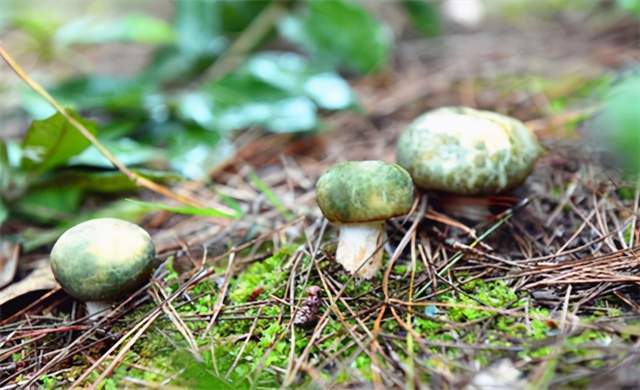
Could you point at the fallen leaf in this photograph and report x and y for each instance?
(40, 279)
(9, 253)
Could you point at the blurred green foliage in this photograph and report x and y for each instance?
(339, 33)
(171, 115)
(424, 15)
(631, 6)
(620, 122)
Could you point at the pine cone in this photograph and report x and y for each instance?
(307, 314)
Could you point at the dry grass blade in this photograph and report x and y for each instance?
(134, 177)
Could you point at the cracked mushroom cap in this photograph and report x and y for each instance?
(103, 259)
(467, 152)
(364, 191)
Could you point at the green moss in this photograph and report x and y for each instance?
(48, 382)
(363, 364)
(494, 294)
(267, 275)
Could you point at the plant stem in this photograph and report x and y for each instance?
(134, 177)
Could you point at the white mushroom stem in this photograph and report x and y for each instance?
(97, 309)
(359, 243)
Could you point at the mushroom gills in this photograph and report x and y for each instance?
(475, 208)
(360, 243)
(97, 309)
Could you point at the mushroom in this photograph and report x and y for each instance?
(102, 260)
(359, 196)
(466, 155)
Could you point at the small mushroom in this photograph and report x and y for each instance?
(102, 260)
(467, 155)
(359, 196)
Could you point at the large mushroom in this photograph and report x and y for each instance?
(359, 196)
(466, 155)
(102, 260)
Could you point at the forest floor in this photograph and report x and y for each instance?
(543, 294)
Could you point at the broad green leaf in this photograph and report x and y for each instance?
(631, 6)
(424, 15)
(50, 204)
(202, 24)
(103, 92)
(295, 74)
(4, 212)
(195, 152)
(102, 181)
(240, 100)
(138, 28)
(329, 91)
(34, 238)
(171, 65)
(50, 143)
(339, 32)
(5, 168)
(238, 15)
(198, 25)
(186, 210)
(40, 26)
(621, 121)
(34, 105)
(13, 182)
(128, 151)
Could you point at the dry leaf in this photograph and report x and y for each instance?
(40, 279)
(9, 253)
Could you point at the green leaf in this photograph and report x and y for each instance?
(198, 26)
(294, 74)
(195, 152)
(34, 238)
(137, 28)
(13, 182)
(5, 168)
(4, 213)
(171, 65)
(186, 210)
(621, 120)
(49, 143)
(128, 151)
(339, 32)
(240, 100)
(631, 6)
(103, 92)
(50, 204)
(424, 15)
(103, 181)
(41, 27)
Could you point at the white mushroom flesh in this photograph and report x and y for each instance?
(97, 309)
(359, 248)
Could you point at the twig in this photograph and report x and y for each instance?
(249, 38)
(134, 177)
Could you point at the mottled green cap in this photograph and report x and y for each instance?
(364, 191)
(466, 151)
(103, 259)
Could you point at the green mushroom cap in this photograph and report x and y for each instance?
(103, 259)
(364, 191)
(467, 152)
